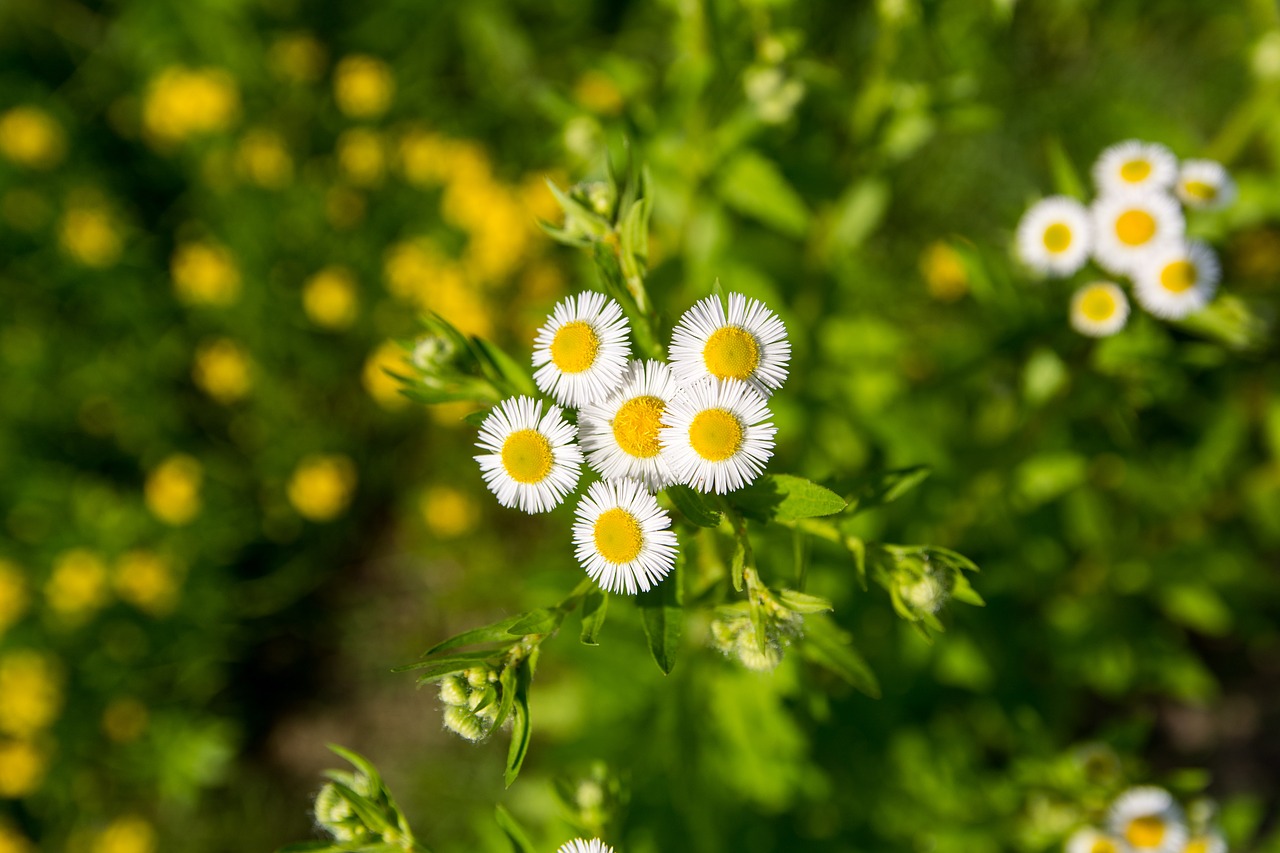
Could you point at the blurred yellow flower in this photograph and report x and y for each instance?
(31, 137)
(22, 769)
(223, 370)
(12, 841)
(89, 235)
(363, 86)
(78, 584)
(596, 91)
(173, 489)
(128, 834)
(361, 156)
(125, 719)
(13, 595)
(321, 486)
(298, 57)
(944, 272)
(423, 157)
(409, 266)
(30, 693)
(385, 389)
(148, 581)
(417, 272)
(204, 274)
(263, 158)
(330, 298)
(448, 512)
(183, 102)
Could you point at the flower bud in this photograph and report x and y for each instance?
(454, 690)
(466, 723)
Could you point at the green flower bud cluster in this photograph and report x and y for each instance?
(357, 810)
(921, 587)
(334, 814)
(757, 642)
(471, 700)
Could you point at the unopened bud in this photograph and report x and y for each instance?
(466, 723)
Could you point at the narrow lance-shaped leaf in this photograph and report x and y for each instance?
(594, 608)
(663, 621)
(521, 725)
(829, 647)
(515, 833)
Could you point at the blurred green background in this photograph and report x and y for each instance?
(221, 525)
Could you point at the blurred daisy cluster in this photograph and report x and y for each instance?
(1135, 229)
(1148, 819)
(702, 420)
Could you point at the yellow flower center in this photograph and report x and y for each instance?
(1200, 190)
(1135, 171)
(574, 347)
(731, 353)
(1057, 237)
(1103, 845)
(1178, 277)
(526, 456)
(1197, 845)
(1135, 227)
(1097, 304)
(1145, 831)
(636, 426)
(715, 434)
(618, 536)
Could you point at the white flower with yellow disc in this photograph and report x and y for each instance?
(1126, 227)
(1177, 280)
(621, 436)
(581, 352)
(532, 461)
(748, 344)
(1090, 840)
(1209, 841)
(1099, 309)
(1205, 185)
(1054, 236)
(1134, 165)
(717, 435)
(582, 845)
(1149, 820)
(624, 539)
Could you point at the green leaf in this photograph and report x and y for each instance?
(857, 215)
(1065, 178)
(507, 369)
(754, 186)
(802, 602)
(594, 608)
(462, 659)
(858, 548)
(663, 622)
(515, 833)
(495, 633)
(358, 761)
(878, 488)
(521, 726)
(476, 419)
(693, 507)
(507, 681)
(738, 565)
(368, 812)
(544, 620)
(963, 591)
(783, 497)
(828, 646)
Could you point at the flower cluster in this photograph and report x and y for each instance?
(701, 421)
(1149, 820)
(1136, 228)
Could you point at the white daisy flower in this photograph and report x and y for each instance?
(1134, 165)
(581, 351)
(532, 461)
(621, 435)
(1090, 840)
(1205, 185)
(748, 344)
(1210, 841)
(1148, 819)
(717, 435)
(582, 845)
(1126, 227)
(1054, 236)
(624, 539)
(1099, 309)
(1177, 279)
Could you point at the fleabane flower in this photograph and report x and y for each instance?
(1134, 165)
(624, 539)
(717, 435)
(1177, 279)
(1090, 840)
(1204, 185)
(1149, 820)
(1126, 227)
(1099, 309)
(621, 434)
(532, 461)
(582, 845)
(1210, 841)
(748, 344)
(581, 351)
(1054, 236)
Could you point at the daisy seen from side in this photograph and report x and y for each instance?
(1210, 841)
(582, 845)
(1054, 236)
(622, 435)
(717, 435)
(1205, 185)
(1149, 820)
(581, 352)
(531, 461)
(1090, 840)
(748, 344)
(1127, 226)
(623, 538)
(1099, 309)
(1135, 165)
(1177, 280)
